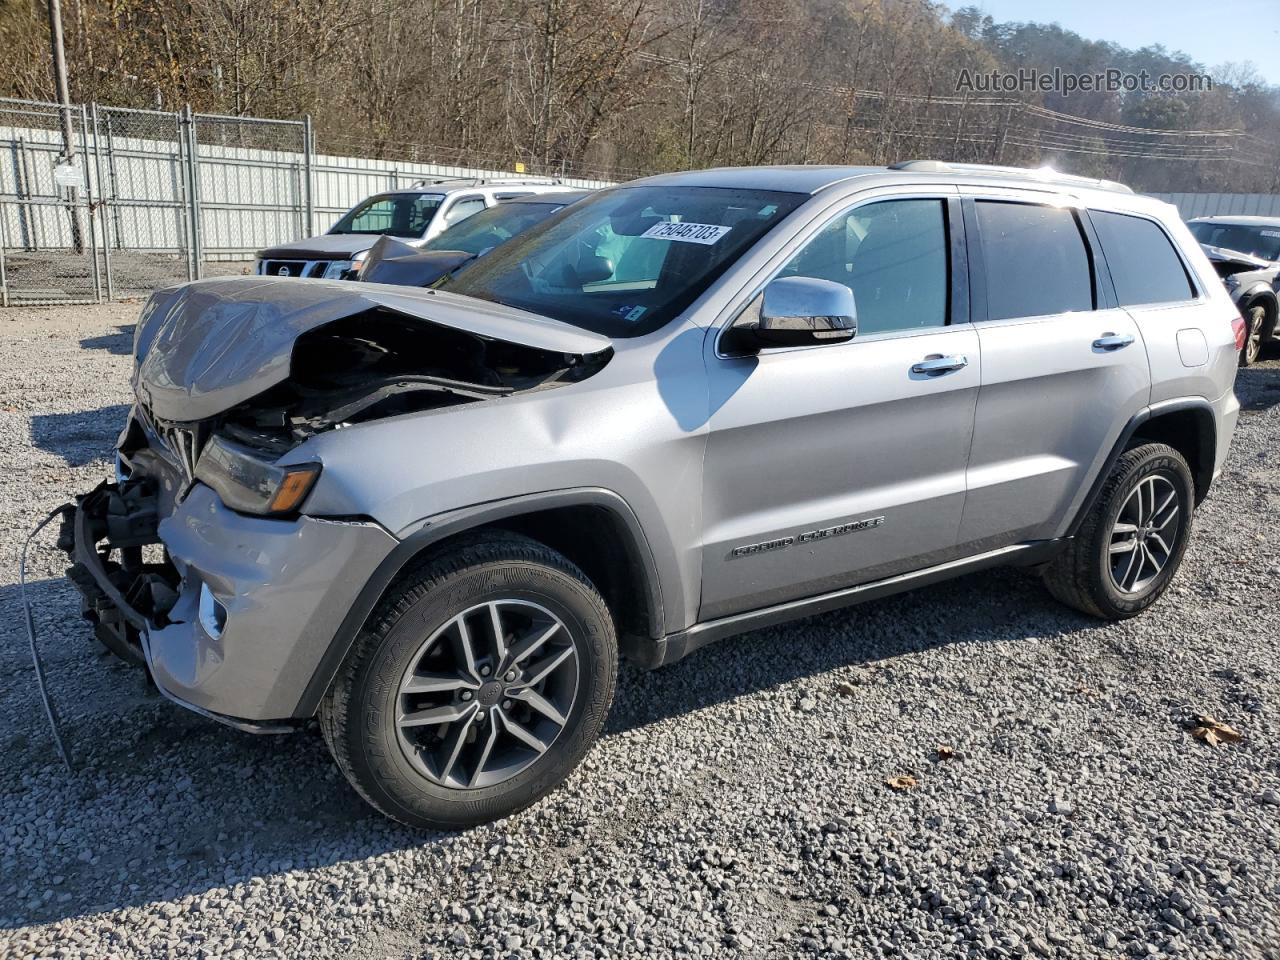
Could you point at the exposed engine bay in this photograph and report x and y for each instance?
(381, 364)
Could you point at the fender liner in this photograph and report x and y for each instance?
(1204, 475)
(434, 529)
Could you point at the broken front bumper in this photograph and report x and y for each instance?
(234, 621)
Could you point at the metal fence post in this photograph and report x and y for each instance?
(181, 185)
(88, 206)
(29, 191)
(115, 183)
(91, 213)
(193, 193)
(308, 147)
(4, 274)
(102, 202)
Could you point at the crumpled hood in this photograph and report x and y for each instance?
(1223, 255)
(329, 246)
(204, 347)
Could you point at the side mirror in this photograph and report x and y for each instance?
(799, 312)
(590, 269)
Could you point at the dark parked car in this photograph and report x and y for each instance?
(1245, 251)
(393, 261)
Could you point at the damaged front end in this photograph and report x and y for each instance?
(380, 364)
(199, 561)
(118, 596)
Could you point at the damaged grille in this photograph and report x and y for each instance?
(183, 442)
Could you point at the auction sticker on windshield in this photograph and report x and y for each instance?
(687, 232)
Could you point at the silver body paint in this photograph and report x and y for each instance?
(871, 471)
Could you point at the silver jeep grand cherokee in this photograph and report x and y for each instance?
(680, 409)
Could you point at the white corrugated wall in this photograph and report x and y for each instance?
(249, 198)
(1220, 204)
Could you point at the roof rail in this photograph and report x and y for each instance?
(1044, 174)
(487, 181)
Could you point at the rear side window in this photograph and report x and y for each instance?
(1144, 266)
(1036, 260)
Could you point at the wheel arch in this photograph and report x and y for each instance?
(1187, 424)
(594, 528)
(1262, 293)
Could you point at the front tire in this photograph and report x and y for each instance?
(1133, 538)
(1255, 317)
(477, 686)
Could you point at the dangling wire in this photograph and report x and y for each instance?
(31, 637)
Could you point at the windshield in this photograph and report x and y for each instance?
(623, 262)
(396, 214)
(492, 227)
(1261, 241)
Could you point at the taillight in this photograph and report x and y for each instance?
(1238, 327)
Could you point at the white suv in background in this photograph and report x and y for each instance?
(413, 215)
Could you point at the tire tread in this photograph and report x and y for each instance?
(421, 578)
(1069, 578)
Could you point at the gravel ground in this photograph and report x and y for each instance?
(737, 803)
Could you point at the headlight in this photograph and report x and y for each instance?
(345, 269)
(246, 482)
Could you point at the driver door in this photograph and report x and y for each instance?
(833, 465)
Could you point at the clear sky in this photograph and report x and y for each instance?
(1210, 32)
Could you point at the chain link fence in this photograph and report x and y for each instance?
(115, 202)
(140, 159)
(48, 219)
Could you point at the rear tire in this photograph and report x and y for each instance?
(466, 635)
(1133, 538)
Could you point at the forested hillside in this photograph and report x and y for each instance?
(620, 87)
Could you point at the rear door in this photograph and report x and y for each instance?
(832, 465)
(1189, 340)
(1063, 367)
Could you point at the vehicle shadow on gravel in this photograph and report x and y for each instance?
(985, 607)
(120, 344)
(78, 437)
(1258, 387)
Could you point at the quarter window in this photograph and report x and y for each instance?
(892, 255)
(1144, 266)
(1036, 260)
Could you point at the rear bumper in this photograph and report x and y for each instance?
(1226, 410)
(248, 605)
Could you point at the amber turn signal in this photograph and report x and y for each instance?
(293, 489)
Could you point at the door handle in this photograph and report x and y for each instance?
(1113, 341)
(935, 365)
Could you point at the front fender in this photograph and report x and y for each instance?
(432, 530)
